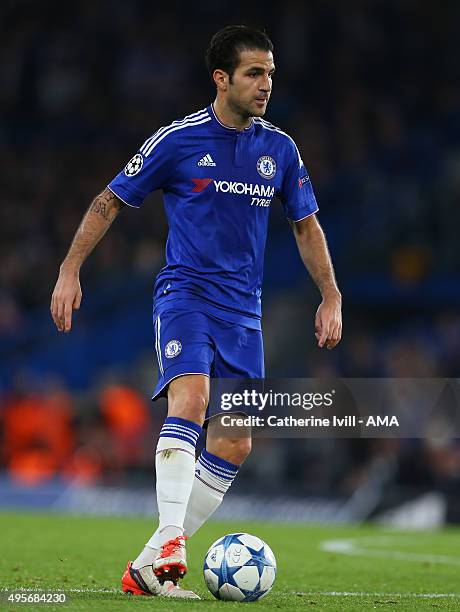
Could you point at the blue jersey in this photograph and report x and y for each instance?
(218, 185)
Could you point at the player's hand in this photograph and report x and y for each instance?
(65, 299)
(328, 321)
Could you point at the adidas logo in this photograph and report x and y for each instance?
(207, 160)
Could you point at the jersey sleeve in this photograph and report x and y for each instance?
(149, 170)
(297, 194)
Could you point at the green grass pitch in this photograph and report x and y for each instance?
(381, 570)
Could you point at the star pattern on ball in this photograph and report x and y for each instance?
(237, 561)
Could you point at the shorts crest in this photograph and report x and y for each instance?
(172, 349)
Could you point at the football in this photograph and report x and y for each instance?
(239, 567)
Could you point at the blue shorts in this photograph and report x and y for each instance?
(195, 342)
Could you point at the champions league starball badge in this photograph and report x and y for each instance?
(266, 167)
(134, 165)
(172, 349)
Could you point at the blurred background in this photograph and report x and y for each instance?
(370, 91)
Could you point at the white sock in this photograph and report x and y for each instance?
(213, 477)
(146, 557)
(175, 466)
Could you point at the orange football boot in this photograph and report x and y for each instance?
(171, 561)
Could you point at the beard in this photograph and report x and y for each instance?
(245, 110)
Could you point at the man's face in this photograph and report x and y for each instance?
(250, 88)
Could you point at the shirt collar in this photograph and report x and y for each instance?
(222, 127)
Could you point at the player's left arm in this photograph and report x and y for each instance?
(312, 246)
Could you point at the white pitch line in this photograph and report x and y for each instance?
(303, 593)
(94, 591)
(354, 547)
(371, 594)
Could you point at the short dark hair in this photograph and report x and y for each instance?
(226, 45)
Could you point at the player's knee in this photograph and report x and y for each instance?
(238, 449)
(189, 405)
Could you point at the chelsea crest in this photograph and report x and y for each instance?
(172, 349)
(266, 167)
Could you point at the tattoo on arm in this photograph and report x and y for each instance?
(97, 220)
(107, 205)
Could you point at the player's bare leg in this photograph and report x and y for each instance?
(233, 447)
(175, 467)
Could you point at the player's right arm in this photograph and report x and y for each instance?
(67, 292)
(147, 171)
